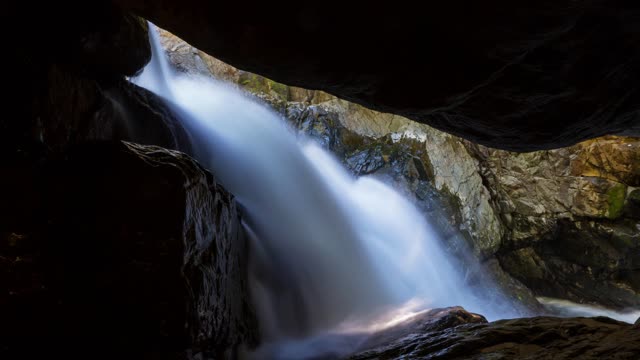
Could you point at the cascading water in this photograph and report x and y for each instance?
(328, 250)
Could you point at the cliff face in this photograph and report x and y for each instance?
(569, 217)
(563, 222)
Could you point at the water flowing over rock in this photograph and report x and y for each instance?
(346, 250)
(121, 249)
(563, 222)
(112, 249)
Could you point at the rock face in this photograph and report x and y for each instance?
(458, 66)
(68, 80)
(121, 249)
(570, 227)
(461, 335)
(562, 222)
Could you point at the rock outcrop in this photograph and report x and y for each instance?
(563, 222)
(569, 228)
(456, 334)
(123, 250)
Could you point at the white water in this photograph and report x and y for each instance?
(567, 308)
(330, 253)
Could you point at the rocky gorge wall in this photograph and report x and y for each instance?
(564, 223)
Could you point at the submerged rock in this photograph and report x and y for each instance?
(122, 249)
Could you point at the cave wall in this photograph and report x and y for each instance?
(563, 222)
(520, 76)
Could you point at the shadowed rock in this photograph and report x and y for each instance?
(520, 75)
(121, 249)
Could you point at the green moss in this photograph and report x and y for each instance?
(280, 89)
(257, 84)
(615, 199)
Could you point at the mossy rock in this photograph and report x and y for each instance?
(257, 84)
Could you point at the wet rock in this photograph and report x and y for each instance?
(430, 321)
(527, 338)
(319, 125)
(122, 250)
(366, 161)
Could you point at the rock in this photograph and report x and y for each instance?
(632, 209)
(76, 110)
(67, 74)
(467, 82)
(119, 248)
(366, 161)
(426, 322)
(100, 39)
(527, 338)
(72, 109)
(584, 262)
(319, 125)
(120, 45)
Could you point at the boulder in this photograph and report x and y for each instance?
(123, 250)
(526, 338)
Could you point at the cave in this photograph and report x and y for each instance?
(201, 180)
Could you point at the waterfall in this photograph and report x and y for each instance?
(328, 251)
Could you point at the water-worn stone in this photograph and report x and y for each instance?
(527, 338)
(123, 250)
